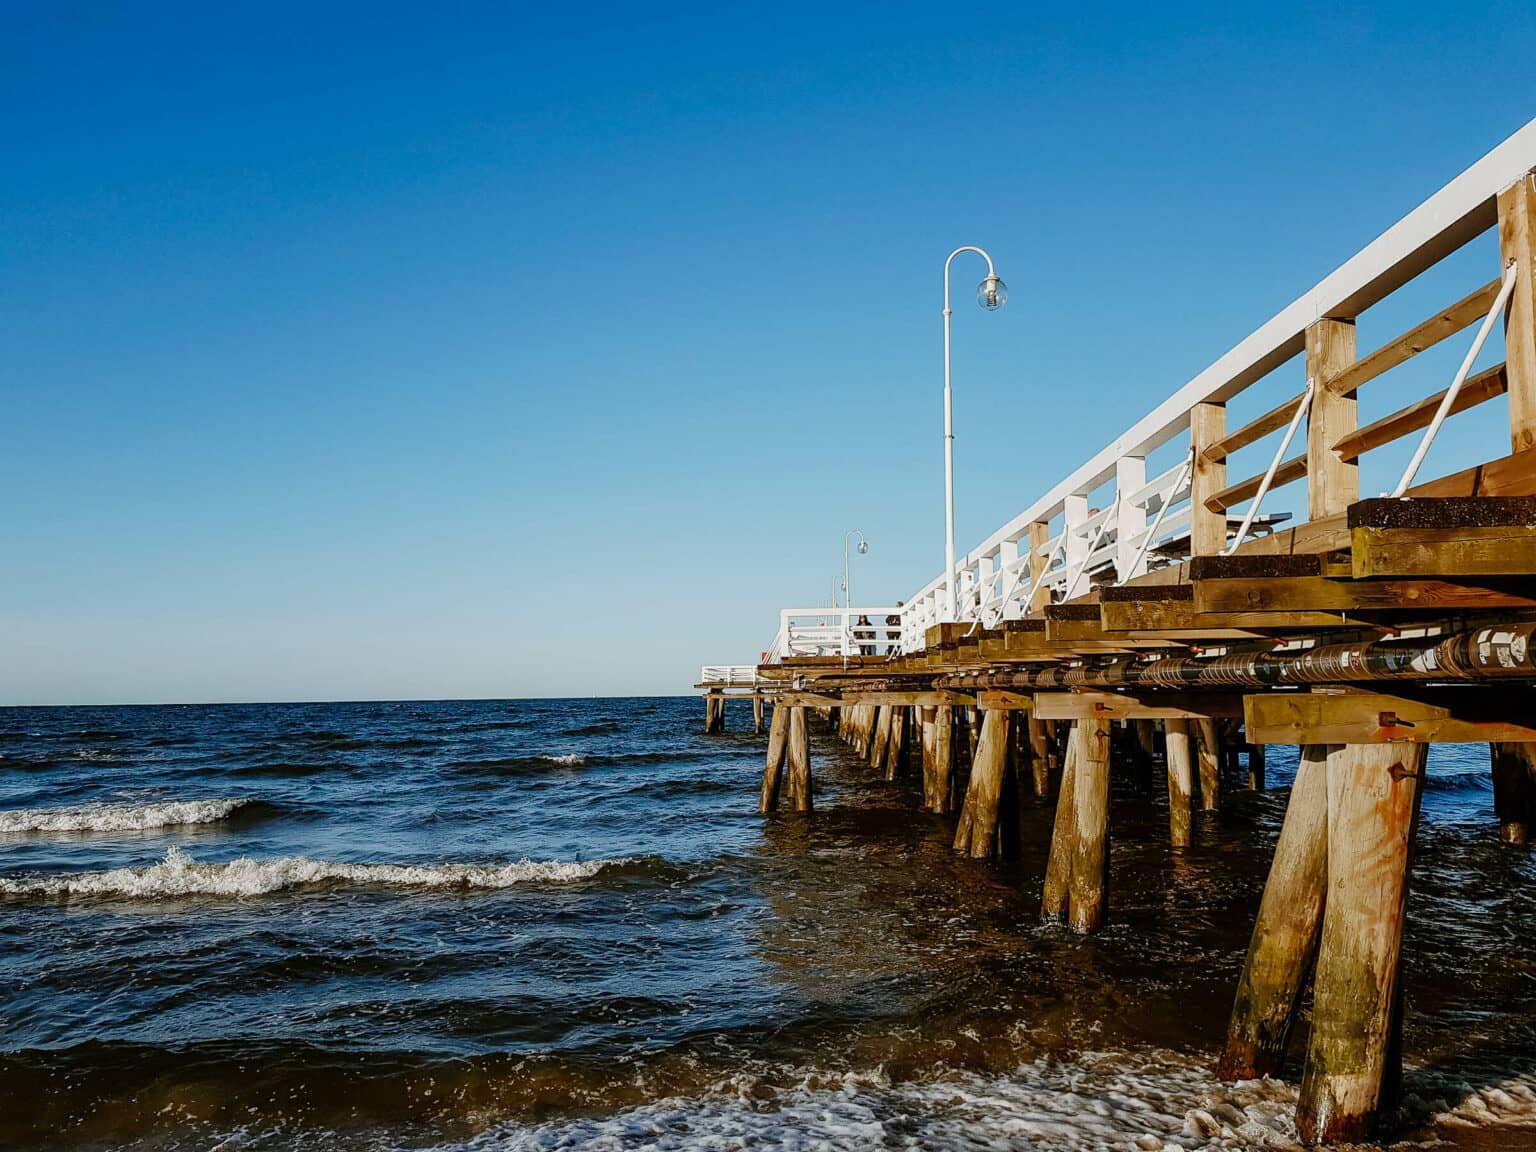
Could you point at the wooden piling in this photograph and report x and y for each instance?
(1179, 754)
(895, 742)
(799, 755)
(778, 742)
(714, 713)
(1514, 790)
(882, 736)
(976, 835)
(1089, 886)
(757, 714)
(1285, 935)
(1255, 767)
(1208, 743)
(1373, 792)
(1055, 899)
(938, 761)
(1042, 754)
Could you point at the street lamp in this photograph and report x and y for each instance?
(991, 294)
(863, 548)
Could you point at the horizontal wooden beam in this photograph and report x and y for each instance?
(996, 699)
(1321, 594)
(1254, 430)
(1484, 714)
(1086, 705)
(1483, 386)
(1462, 314)
(931, 698)
(1443, 552)
(1293, 469)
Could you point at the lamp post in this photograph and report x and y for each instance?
(992, 294)
(863, 548)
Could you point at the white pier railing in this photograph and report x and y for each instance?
(730, 675)
(836, 632)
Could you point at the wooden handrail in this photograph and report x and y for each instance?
(1293, 469)
(1277, 417)
(1462, 314)
(1483, 386)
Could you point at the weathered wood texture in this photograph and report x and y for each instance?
(1208, 746)
(1517, 245)
(799, 756)
(1055, 898)
(1332, 482)
(1090, 809)
(1208, 529)
(1395, 425)
(1514, 790)
(1286, 932)
(1373, 793)
(976, 834)
(1462, 314)
(1179, 754)
(778, 743)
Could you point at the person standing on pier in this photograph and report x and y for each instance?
(864, 635)
(893, 630)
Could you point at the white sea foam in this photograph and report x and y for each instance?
(567, 759)
(1158, 1102)
(180, 875)
(118, 817)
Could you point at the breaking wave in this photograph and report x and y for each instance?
(180, 875)
(119, 817)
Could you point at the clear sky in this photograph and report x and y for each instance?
(377, 350)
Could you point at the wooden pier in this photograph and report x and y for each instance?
(1127, 624)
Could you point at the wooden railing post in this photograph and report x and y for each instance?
(1131, 521)
(1039, 535)
(1207, 529)
(1517, 243)
(1332, 485)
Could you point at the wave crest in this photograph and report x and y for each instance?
(180, 875)
(118, 817)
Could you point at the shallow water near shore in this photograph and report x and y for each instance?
(562, 924)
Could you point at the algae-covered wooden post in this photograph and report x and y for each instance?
(1373, 792)
(976, 834)
(1208, 746)
(1090, 804)
(1514, 790)
(938, 762)
(1285, 934)
(778, 744)
(1179, 754)
(799, 755)
(1055, 898)
(1517, 246)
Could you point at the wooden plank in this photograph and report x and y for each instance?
(1333, 484)
(1443, 552)
(1486, 713)
(1207, 527)
(1253, 431)
(1517, 245)
(1086, 704)
(996, 699)
(1474, 391)
(1462, 314)
(928, 698)
(1218, 502)
(1320, 594)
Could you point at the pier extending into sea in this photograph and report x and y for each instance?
(1133, 623)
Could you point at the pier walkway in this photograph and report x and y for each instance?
(1152, 612)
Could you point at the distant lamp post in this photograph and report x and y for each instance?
(992, 294)
(863, 548)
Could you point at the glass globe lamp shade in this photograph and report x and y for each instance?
(992, 294)
(863, 548)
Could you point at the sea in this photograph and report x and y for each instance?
(562, 924)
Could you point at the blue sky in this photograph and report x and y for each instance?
(503, 350)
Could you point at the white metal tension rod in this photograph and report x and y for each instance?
(1450, 394)
(1269, 476)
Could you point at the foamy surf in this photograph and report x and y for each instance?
(180, 875)
(118, 817)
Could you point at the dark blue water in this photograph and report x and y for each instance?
(535, 924)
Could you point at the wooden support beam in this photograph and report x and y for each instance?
(799, 756)
(1255, 430)
(1514, 790)
(998, 700)
(1286, 932)
(1232, 495)
(778, 743)
(1478, 714)
(1462, 314)
(882, 735)
(1042, 756)
(1208, 752)
(1517, 245)
(757, 713)
(1323, 594)
(925, 698)
(714, 713)
(1333, 484)
(1373, 795)
(1055, 899)
(1090, 807)
(1405, 421)
(1207, 529)
(896, 742)
(1179, 754)
(976, 834)
(1445, 537)
(1086, 704)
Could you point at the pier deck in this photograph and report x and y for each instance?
(1123, 622)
